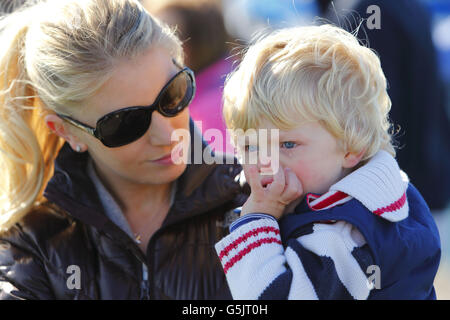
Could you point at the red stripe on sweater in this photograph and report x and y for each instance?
(339, 195)
(244, 237)
(393, 206)
(247, 250)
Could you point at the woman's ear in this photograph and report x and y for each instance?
(351, 159)
(57, 126)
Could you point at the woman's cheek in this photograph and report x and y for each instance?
(182, 120)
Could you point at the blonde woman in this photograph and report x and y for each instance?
(93, 205)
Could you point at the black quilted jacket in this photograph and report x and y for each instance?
(69, 236)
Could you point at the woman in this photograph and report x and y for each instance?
(110, 215)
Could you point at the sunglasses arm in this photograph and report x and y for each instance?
(78, 124)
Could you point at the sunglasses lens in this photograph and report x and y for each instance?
(124, 127)
(177, 95)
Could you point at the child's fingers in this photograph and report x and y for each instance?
(252, 176)
(293, 188)
(279, 181)
(266, 166)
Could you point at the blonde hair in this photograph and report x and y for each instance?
(55, 54)
(314, 73)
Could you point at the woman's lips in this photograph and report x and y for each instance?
(170, 158)
(164, 160)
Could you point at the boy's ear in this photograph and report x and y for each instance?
(351, 159)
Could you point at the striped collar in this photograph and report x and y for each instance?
(379, 185)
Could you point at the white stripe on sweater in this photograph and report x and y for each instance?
(301, 287)
(335, 241)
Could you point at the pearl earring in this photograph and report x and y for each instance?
(78, 148)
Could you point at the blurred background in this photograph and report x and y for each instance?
(412, 39)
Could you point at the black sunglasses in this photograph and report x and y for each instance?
(126, 125)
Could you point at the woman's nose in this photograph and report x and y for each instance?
(160, 131)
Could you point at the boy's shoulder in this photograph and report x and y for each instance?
(409, 209)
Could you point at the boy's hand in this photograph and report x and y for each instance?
(268, 195)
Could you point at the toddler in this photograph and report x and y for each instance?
(338, 219)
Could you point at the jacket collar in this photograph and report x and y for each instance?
(379, 185)
(200, 188)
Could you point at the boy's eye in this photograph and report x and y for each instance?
(288, 144)
(251, 148)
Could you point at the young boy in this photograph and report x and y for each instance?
(339, 219)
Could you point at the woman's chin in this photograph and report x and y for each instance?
(164, 174)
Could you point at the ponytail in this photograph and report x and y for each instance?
(27, 146)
